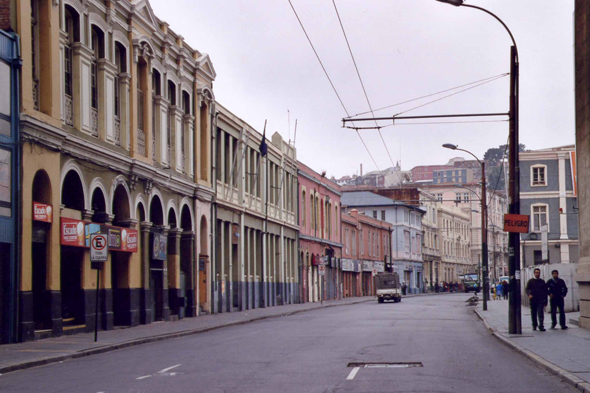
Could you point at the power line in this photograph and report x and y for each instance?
(333, 87)
(361, 79)
(430, 95)
(428, 123)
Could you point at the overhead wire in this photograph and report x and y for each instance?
(361, 80)
(432, 94)
(332, 84)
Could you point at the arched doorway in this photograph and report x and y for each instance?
(203, 261)
(158, 276)
(40, 249)
(73, 300)
(123, 299)
(187, 264)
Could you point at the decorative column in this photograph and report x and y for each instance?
(187, 265)
(145, 308)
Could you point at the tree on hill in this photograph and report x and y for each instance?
(496, 159)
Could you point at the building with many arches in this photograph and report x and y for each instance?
(116, 115)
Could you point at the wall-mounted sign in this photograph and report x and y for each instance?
(72, 233)
(347, 265)
(159, 246)
(202, 263)
(367, 266)
(517, 223)
(322, 270)
(379, 267)
(42, 212)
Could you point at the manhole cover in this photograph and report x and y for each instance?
(385, 364)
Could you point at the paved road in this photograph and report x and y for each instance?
(310, 352)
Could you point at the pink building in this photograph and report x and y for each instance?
(319, 236)
(366, 250)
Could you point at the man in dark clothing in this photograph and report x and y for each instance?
(505, 289)
(557, 292)
(536, 289)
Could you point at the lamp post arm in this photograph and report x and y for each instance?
(468, 152)
(499, 20)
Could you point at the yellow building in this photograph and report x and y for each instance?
(116, 114)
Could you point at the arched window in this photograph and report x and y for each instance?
(72, 29)
(303, 205)
(172, 101)
(156, 92)
(97, 46)
(121, 64)
(186, 108)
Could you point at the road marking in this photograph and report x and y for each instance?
(144, 377)
(167, 369)
(353, 373)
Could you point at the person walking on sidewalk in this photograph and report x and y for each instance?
(505, 289)
(536, 289)
(499, 291)
(557, 292)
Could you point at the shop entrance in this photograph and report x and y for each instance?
(121, 294)
(72, 300)
(41, 317)
(203, 261)
(157, 292)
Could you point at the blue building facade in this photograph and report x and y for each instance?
(9, 183)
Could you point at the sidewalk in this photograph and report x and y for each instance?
(565, 353)
(36, 353)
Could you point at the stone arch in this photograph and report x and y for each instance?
(139, 200)
(186, 220)
(121, 203)
(75, 198)
(42, 187)
(172, 220)
(98, 182)
(156, 210)
(204, 236)
(140, 211)
(99, 204)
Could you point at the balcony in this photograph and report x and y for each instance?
(69, 110)
(117, 131)
(94, 122)
(140, 123)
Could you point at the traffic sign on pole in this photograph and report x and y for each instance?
(99, 248)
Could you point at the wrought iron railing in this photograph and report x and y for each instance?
(117, 131)
(140, 124)
(69, 110)
(94, 121)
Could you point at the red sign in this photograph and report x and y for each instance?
(77, 233)
(72, 233)
(517, 223)
(42, 212)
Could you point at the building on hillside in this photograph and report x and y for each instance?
(367, 247)
(116, 114)
(256, 229)
(453, 175)
(467, 198)
(548, 194)
(425, 173)
(319, 236)
(455, 243)
(474, 165)
(407, 232)
(10, 175)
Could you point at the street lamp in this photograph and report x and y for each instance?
(514, 313)
(484, 225)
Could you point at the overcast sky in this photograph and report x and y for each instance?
(404, 49)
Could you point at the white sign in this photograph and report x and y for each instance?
(517, 274)
(99, 248)
(322, 270)
(374, 272)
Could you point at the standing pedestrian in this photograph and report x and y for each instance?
(536, 289)
(499, 290)
(505, 289)
(404, 288)
(557, 292)
(436, 287)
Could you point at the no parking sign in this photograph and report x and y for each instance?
(99, 248)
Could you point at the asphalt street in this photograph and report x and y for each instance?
(431, 344)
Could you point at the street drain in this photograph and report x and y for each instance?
(385, 364)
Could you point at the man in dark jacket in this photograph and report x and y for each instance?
(557, 292)
(505, 289)
(536, 289)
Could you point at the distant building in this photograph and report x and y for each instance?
(474, 165)
(453, 175)
(407, 232)
(424, 173)
(455, 243)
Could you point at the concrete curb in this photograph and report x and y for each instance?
(156, 338)
(569, 378)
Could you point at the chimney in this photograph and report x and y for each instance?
(354, 212)
(361, 169)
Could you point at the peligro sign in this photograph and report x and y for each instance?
(517, 223)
